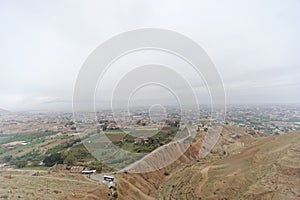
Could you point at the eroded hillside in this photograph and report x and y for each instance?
(238, 167)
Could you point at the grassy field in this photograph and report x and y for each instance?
(114, 147)
(35, 141)
(40, 146)
(7, 138)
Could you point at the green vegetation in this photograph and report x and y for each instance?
(97, 165)
(34, 157)
(55, 149)
(163, 137)
(115, 194)
(114, 131)
(69, 159)
(20, 163)
(6, 159)
(80, 153)
(33, 153)
(38, 141)
(77, 153)
(70, 151)
(53, 159)
(7, 138)
(74, 155)
(66, 145)
(36, 168)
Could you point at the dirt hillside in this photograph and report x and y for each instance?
(238, 167)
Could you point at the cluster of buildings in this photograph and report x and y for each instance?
(275, 119)
(265, 120)
(23, 122)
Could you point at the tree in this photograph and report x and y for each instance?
(53, 159)
(20, 163)
(6, 159)
(97, 165)
(70, 159)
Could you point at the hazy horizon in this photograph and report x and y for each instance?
(254, 45)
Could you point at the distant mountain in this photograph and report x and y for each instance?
(3, 111)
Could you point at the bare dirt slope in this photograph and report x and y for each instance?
(25, 185)
(239, 167)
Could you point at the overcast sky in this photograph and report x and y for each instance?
(254, 44)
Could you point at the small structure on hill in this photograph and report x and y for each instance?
(87, 171)
(108, 178)
(76, 169)
(109, 181)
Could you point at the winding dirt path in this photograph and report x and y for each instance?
(204, 179)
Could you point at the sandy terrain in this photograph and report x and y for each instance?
(238, 168)
(41, 185)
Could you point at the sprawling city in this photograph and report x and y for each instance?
(50, 145)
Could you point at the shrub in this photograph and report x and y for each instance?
(20, 163)
(115, 194)
(70, 159)
(7, 158)
(53, 159)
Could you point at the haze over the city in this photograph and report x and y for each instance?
(254, 44)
